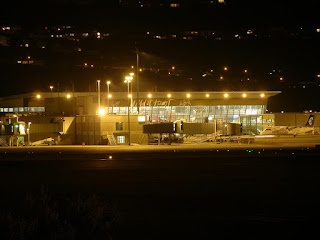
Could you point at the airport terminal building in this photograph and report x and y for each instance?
(78, 115)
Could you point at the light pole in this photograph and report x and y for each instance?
(98, 82)
(131, 75)
(29, 128)
(108, 84)
(137, 78)
(128, 80)
(51, 87)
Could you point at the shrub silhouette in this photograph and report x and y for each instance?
(43, 216)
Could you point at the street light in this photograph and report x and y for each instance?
(109, 96)
(38, 96)
(128, 80)
(29, 128)
(98, 82)
(102, 112)
(51, 87)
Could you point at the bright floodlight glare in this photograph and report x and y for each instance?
(131, 74)
(68, 96)
(262, 95)
(188, 95)
(102, 112)
(207, 95)
(129, 96)
(226, 95)
(51, 87)
(244, 95)
(169, 95)
(128, 79)
(149, 95)
(109, 96)
(38, 96)
(108, 82)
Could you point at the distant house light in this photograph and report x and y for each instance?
(174, 5)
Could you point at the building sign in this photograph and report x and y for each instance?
(156, 103)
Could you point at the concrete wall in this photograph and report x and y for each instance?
(199, 128)
(295, 119)
(98, 130)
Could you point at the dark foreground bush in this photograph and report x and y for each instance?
(43, 216)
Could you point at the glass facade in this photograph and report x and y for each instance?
(228, 113)
(21, 109)
(255, 124)
(222, 114)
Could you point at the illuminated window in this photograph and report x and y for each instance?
(119, 126)
(141, 119)
(121, 139)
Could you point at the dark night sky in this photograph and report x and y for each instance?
(298, 59)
